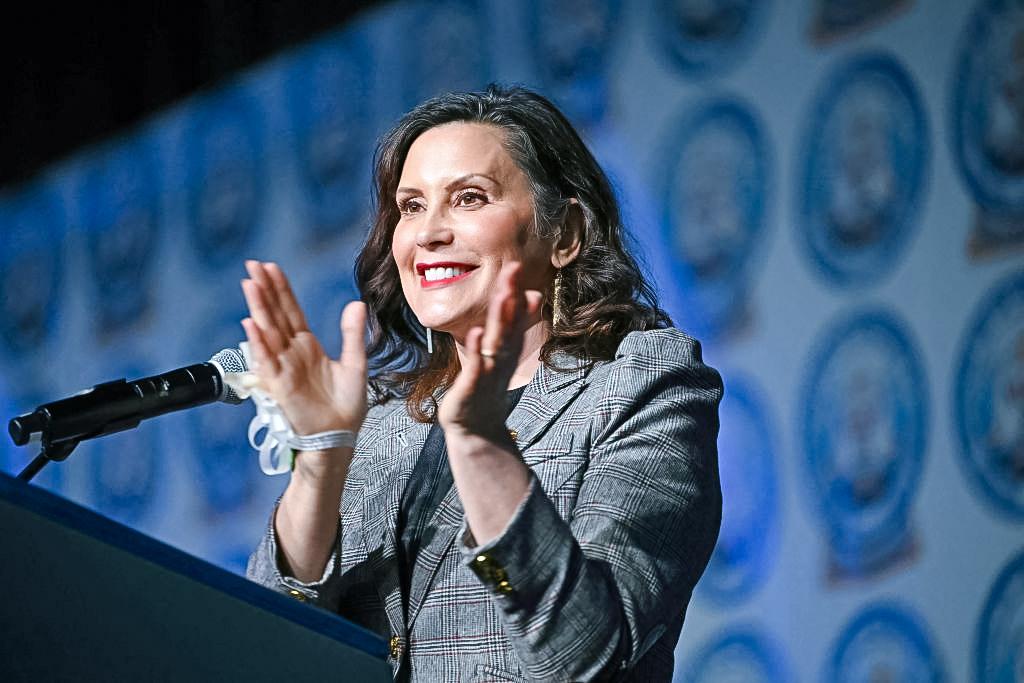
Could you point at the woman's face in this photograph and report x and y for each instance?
(466, 211)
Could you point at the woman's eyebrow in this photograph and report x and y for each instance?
(462, 180)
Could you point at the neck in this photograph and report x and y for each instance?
(529, 357)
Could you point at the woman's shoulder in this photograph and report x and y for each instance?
(667, 343)
(654, 356)
(383, 400)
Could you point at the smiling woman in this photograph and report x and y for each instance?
(537, 497)
(465, 205)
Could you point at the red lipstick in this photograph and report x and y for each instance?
(422, 268)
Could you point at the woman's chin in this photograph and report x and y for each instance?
(448, 321)
(458, 332)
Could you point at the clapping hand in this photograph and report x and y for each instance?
(476, 402)
(316, 393)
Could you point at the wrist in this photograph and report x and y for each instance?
(322, 441)
(463, 442)
(324, 423)
(322, 469)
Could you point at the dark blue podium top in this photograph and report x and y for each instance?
(86, 598)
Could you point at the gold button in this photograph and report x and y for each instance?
(490, 572)
(483, 567)
(396, 647)
(298, 595)
(514, 434)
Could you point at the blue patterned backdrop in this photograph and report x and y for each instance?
(829, 193)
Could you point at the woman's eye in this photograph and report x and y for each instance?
(409, 206)
(469, 199)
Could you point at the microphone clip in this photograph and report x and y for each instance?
(33, 427)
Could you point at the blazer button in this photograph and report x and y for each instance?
(298, 595)
(483, 566)
(395, 647)
(501, 582)
(490, 572)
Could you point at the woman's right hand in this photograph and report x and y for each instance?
(315, 393)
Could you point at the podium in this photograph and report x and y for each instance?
(83, 598)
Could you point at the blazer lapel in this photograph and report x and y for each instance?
(547, 394)
(444, 526)
(393, 461)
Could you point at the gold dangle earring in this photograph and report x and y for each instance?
(556, 299)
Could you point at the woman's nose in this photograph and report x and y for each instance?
(434, 230)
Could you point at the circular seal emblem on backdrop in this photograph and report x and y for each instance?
(746, 461)
(572, 42)
(447, 48)
(834, 19)
(884, 642)
(125, 469)
(738, 655)
(987, 120)
(120, 200)
(863, 428)
(31, 263)
(226, 183)
(989, 398)
(707, 37)
(328, 93)
(714, 214)
(999, 639)
(863, 162)
(225, 463)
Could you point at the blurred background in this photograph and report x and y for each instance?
(828, 193)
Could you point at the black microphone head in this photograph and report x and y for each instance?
(229, 360)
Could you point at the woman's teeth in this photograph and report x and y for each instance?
(434, 274)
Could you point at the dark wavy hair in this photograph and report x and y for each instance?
(603, 296)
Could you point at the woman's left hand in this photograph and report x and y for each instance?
(476, 402)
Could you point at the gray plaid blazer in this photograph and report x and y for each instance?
(592, 576)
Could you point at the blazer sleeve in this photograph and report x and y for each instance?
(586, 599)
(264, 568)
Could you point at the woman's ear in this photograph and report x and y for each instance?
(567, 247)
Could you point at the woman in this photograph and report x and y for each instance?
(559, 539)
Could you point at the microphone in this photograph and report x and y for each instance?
(119, 405)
